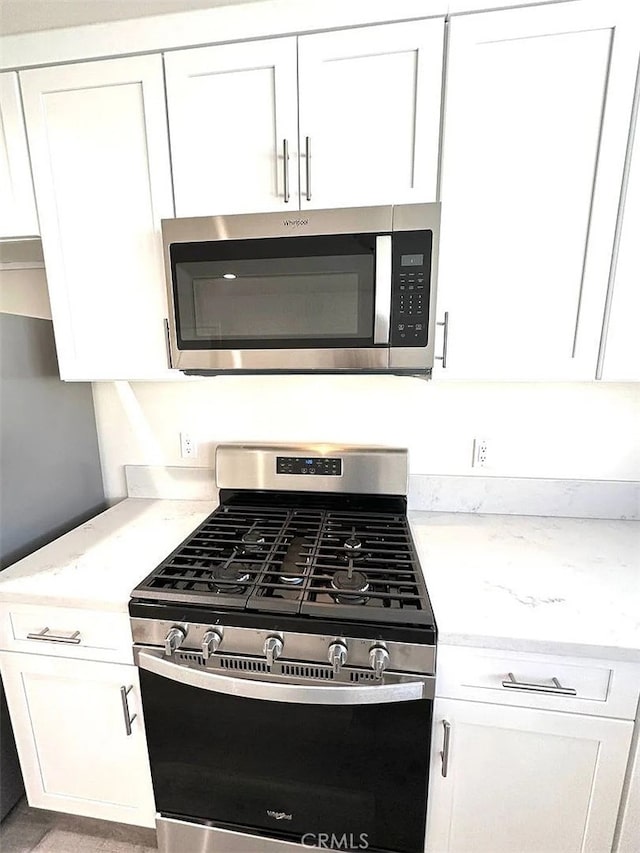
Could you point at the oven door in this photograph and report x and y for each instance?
(285, 761)
(281, 303)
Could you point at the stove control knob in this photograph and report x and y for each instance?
(174, 639)
(210, 642)
(337, 655)
(378, 659)
(273, 649)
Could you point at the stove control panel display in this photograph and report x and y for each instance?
(326, 467)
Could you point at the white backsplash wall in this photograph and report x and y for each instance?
(562, 431)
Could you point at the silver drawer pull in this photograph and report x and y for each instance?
(124, 692)
(72, 637)
(557, 688)
(444, 752)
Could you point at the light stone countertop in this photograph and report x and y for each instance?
(530, 583)
(525, 583)
(97, 564)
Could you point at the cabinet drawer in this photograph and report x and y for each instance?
(582, 685)
(66, 632)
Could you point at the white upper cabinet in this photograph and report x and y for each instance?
(524, 780)
(536, 120)
(18, 216)
(622, 335)
(233, 115)
(370, 114)
(99, 146)
(368, 103)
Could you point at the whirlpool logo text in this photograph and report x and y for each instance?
(294, 223)
(279, 815)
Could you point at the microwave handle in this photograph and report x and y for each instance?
(383, 290)
(154, 661)
(167, 341)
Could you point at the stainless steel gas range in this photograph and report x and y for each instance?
(287, 660)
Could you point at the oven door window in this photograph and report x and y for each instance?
(282, 770)
(288, 292)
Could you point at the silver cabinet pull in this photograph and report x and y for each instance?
(285, 157)
(124, 692)
(73, 637)
(167, 340)
(556, 688)
(445, 339)
(307, 153)
(444, 753)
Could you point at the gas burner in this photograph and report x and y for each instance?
(352, 544)
(351, 586)
(253, 540)
(230, 577)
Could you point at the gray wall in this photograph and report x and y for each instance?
(50, 478)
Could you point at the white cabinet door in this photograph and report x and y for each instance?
(536, 119)
(232, 111)
(99, 147)
(69, 724)
(526, 780)
(18, 208)
(629, 832)
(622, 338)
(370, 114)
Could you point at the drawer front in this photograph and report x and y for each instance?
(579, 685)
(66, 632)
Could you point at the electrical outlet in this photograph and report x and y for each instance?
(188, 446)
(480, 453)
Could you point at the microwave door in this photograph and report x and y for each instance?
(304, 293)
(382, 290)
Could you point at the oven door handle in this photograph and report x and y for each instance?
(276, 691)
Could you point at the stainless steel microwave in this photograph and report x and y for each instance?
(333, 291)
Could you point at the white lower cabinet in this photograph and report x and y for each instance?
(75, 749)
(525, 780)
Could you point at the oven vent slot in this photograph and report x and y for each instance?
(300, 671)
(185, 657)
(244, 664)
(362, 676)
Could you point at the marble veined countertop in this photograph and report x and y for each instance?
(97, 564)
(526, 583)
(530, 583)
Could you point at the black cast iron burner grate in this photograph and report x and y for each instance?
(325, 563)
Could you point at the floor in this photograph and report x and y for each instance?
(27, 830)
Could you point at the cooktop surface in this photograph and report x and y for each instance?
(344, 557)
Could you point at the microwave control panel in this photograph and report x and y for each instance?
(410, 288)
